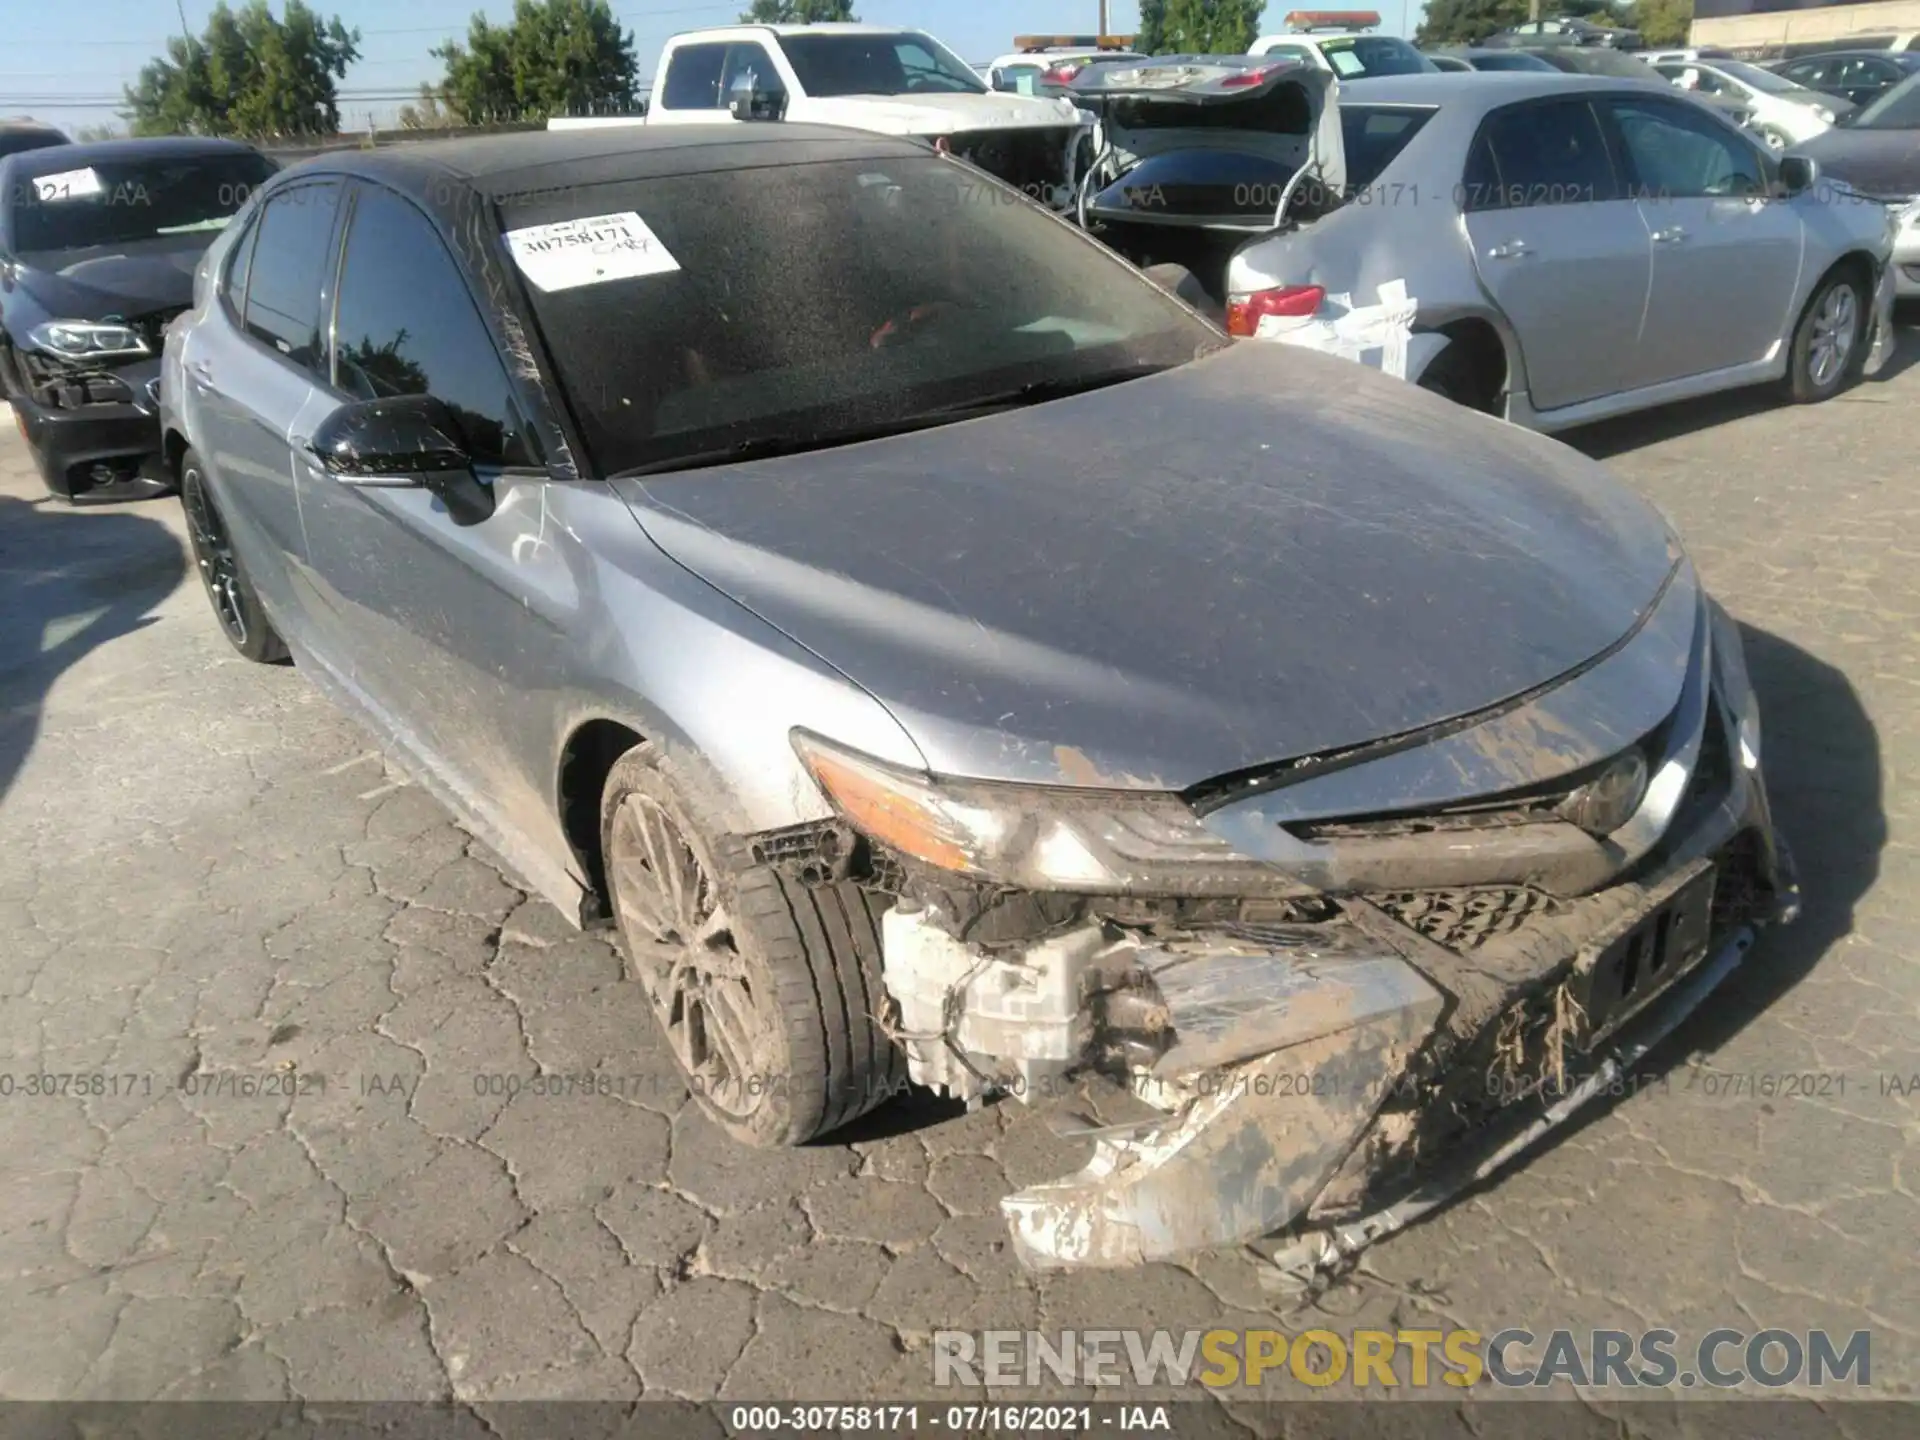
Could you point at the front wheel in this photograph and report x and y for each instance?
(1829, 342)
(235, 603)
(767, 987)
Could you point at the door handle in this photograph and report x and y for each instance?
(1512, 250)
(1672, 235)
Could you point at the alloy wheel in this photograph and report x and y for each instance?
(213, 550)
(681, 938)
(1835, 325)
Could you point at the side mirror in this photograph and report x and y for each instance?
(1798, 173)
(752, 99)
(400, 443)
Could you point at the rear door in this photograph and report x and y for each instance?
(1726, 256)
(1559, 245)
(250, 376)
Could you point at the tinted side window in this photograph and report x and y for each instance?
(290, 256)
(693, 78)
(1678, 153)
(239, 260)
(1546, 154)
(406, 325)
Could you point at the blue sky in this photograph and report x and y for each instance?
(67, 63)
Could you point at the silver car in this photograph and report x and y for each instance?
(1560, 249)
(948, 658)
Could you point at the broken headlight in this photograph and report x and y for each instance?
(88, 340)
(1035, 837)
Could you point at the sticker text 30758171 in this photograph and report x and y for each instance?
(589, 251)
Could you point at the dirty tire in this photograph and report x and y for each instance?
(1828, 352)
(1452, 377)
(803, 962)
(231, 594)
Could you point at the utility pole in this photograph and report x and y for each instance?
(186, 34)
(1103, 19)
(1533, 9)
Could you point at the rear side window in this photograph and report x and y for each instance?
(1373, 137)
(693, 78)
(406, 324)
(289, 264)
(1540, 154)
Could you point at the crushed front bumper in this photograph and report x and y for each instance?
(1326, 1070)
(96, 448)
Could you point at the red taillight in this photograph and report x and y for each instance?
(1247, 77)
(1294, 302)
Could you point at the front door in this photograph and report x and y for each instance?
(449, 633)
(1726, 254)
(1560, 247)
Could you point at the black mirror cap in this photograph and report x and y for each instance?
(402, 435)
(1798, 173)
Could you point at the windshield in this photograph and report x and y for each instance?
(853, 63)
(1509, 60)
(1606, 62)
(1361, 57)
(1756, 78)
(1898, 109)
(79, 207)
(803, 306)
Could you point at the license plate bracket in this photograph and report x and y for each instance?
(1617, 977)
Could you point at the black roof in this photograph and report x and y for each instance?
(107, 152)
(530, 161)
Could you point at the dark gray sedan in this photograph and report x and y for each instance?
(948, 658)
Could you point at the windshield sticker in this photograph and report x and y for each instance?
(589, 251)
(67, 185)
(1345, 61)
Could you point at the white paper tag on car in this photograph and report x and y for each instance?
(67, 185)
(589, 251)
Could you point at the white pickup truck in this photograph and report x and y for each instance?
(870, 77)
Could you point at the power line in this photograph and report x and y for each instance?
(16, 42)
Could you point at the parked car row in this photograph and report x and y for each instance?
(1547, 247)
(744, 528)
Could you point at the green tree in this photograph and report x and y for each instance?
(1151, 37)
(1467, 22)
(429, 112)
(249, 74)
(1210, 27)
(556, 57)
(798, 12)
(1663, 22)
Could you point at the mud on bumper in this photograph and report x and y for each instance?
(1320, 1070)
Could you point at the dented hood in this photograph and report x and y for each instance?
(942, 114)
(1260, 555)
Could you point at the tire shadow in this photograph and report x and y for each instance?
(70, 582)
(1605, 439)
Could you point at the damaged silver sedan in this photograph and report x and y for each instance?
(948, 658)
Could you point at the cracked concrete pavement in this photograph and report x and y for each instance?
(309, 1174)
